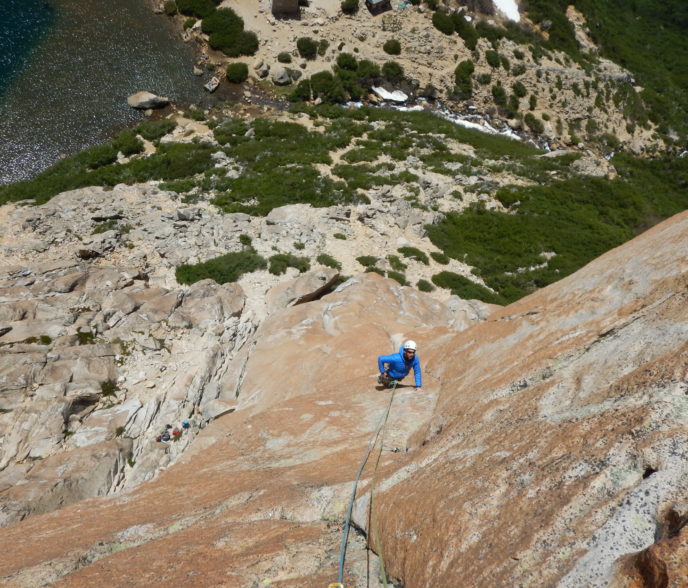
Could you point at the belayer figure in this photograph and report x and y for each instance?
(397, 365)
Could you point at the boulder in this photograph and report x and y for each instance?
(147, 100)
(280, 76)
(305, 288)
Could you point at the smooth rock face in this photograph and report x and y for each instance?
(545, 448)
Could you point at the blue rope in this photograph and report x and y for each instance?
(372, 443)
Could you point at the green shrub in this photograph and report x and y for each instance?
(465, 288)
(170, 7)
(347, 62)
(367, 73)
(499, 94)
(465, 29)
(189, 22)
(307, 47)
(392, 71)
(329, 261)
(519, 89)
(534, 124)
(398, 276)
(367, 260)
(196, 8)
(300, 246)
(245, 240)
(439, 257)
(284, 57)
(237, 73)
(443, 22)
(341, 236)
(414, 253)
(225, 268)
(109, 388)
(484, 79)
(425, 286)
(392, 47)
(280, 262)
(396, 263)
(349, 6)
(153, 130)
(225, 29)
(492, 58)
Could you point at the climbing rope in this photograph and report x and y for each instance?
(371, 445)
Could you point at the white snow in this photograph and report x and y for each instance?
(509, 8)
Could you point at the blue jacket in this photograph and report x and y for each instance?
(399, 367)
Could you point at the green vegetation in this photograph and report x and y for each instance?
(109, 388)
(85, 337)
(307, 47)
(440, 258)
(443, 22)
(280, 262)
(225, 29)
(584, 218)
(237, 73)
(284, 57)
(226, 268)
(465, 288)
(328, 261)
(349, 6)
(197, 8)
(367, 260)
(414, 253)
(341, 236)
(425, 286)
(392, 47)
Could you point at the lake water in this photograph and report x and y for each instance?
(66, 69)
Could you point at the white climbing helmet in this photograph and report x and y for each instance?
(410, 345)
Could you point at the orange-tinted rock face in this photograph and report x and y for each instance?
(556, 447)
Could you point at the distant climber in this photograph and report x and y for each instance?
(397, 365)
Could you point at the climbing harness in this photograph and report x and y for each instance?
(371, 445)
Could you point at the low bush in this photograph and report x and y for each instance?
(307, 47)
(367, 260)
(349, 6)
(328, 261)
(153, 130)
(196, 8)
(414, 253)
(280, 262)
(392, 47)
(398, 276)
(465, 288)
(443, 22)
(393, 72)
(519, 89)
(396, 264)
(347, 62)
(284, 57)
(439, 257)
(492, 58)
(226, 268)
(425, 286)
(534, 124)
(237, 73)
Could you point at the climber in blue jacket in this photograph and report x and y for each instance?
(398, 365)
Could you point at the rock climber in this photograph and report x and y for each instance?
(397, 365)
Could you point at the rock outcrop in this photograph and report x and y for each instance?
(547, 446)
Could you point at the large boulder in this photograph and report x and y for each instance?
(147, 100)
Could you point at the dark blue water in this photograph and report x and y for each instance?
(23, 23)
(66, 69)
